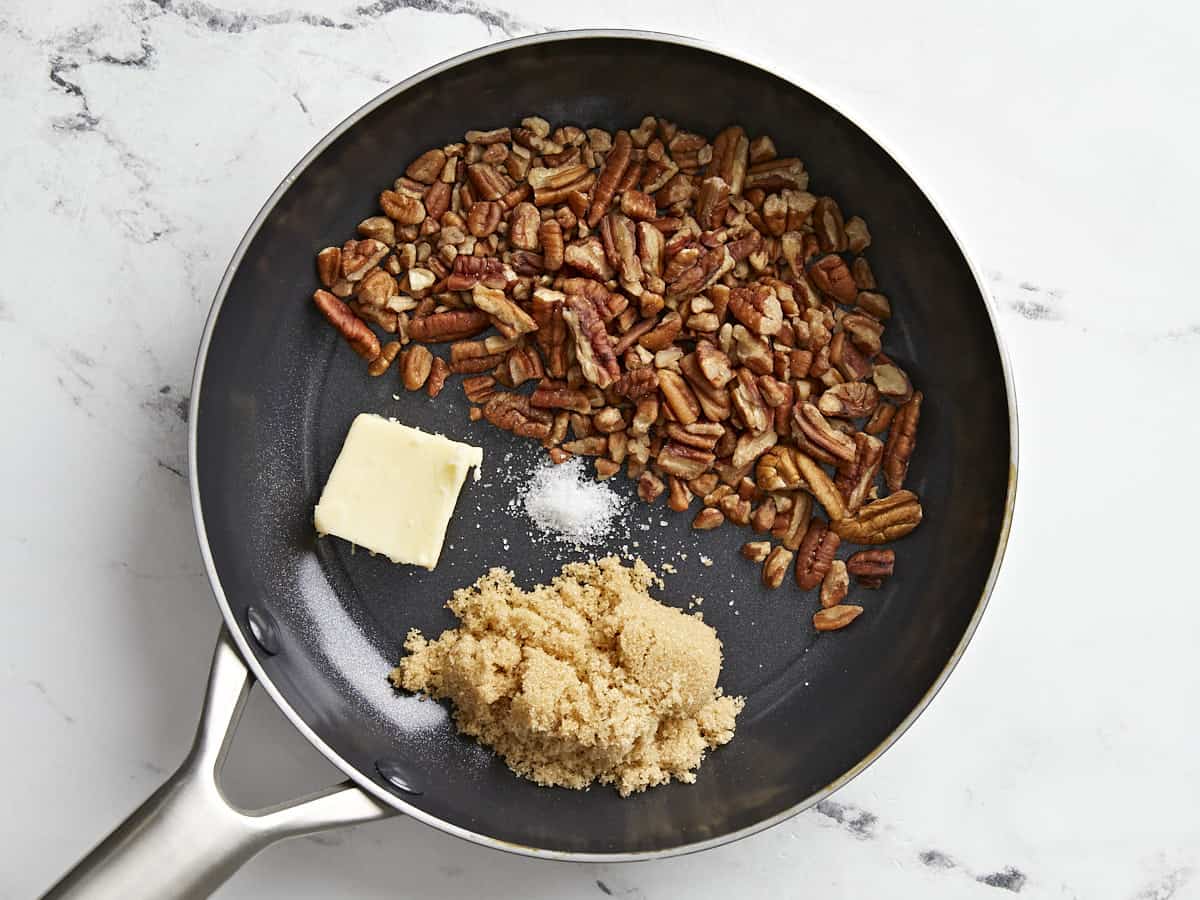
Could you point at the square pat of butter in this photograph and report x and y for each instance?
(393, 489)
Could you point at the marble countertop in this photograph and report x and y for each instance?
(1061, 760)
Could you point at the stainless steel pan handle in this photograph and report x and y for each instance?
(187, 838)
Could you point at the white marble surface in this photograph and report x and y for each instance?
(1063, 758)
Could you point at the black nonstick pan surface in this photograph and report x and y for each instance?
(278, 389)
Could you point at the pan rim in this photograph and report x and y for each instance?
(363, 781)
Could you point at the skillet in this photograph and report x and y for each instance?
(319, 626)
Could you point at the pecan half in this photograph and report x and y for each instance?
(883, 520)
(588, 257)
(678, 396)
(749, 404)
(836, 617)
(479, 388)
(832, 277)
(892, 382)
(452, 325)
(828, 225)
(776, 175)
(835, 585)
(821, 487)
(815, 554)
(714, 364)
(387, 355)
(472, 270)
(869, 301)
(792, 524)
(592, 346)
(880, 419)
(556, 395)
(708, 518)
(731, 155)
(872, 567)
(488, 183)
(712, 202)
(361, 339)
(902, 440)
(756, 551)
(438, 373)
(415, 366)
(329, 266)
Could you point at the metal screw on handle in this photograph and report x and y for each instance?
(187, 838)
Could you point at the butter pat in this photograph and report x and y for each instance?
(393, 488)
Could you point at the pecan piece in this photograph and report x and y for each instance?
(836, 617)
(638, 205)
(828, 225)
(730, 157)
(872, 567)
(438, 373)
(415, 366)
(387, 355)
(615, 165)
(792, 524)
(844, 356)
(892, 382)
(360, 338)
(871, 302)
(883, 520)
(552, 179)
(488, 183)
(556, 395)
(684, 461)
(777, 174)
(712, 203)
(777, 470)
(589, 258)
(708, 519)
(815, 554)
(751, 445)
(510, 320)
(479, 388)
(329, 266)
(851, 400)
(593, 445)
(452, 325)
(360, 257)
(650, 487)
(855, 479)
(776, 566)
(592, 346)
(714, 364)
(637, 383)
(858, 236)
(679, 397)
(835, 585)
(619, 236)
(664, 334)
(427, 167)
(714, 401)
(749, 404)
(880, 419)
(472, 270)
(757, 307)
(512, 412)
(756, 551)
(483, 218)
(901, 442)
(679, 495)
(817, 429)
(832, 277)
(821, 487)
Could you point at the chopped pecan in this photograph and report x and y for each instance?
(387, 355)
(592, 346)
(757, 307)
(714, 401)
(610, 176)
(777, 470)
(360, 338)
(777, 174)
(550, 235)
(776, 566)
(479, 388)
(836, 617)
(712, 203)
(849, 363)
(401, 208)
(731, 154)
(872, 302)
(589, 258)
(821, 487)
(880, 419)
(714, 364)
(664, 334)
(792, 524)
(762, 149)
(376, 288)
(553, 179)
(855, 479)
(679, 496)
(592, 445)
(606, 468)
(678, 396)
(510, 320)
(883, 520)
(512, 412)
(472, 270)
(851, 400)
(650, 487)
(522, 364)
(858, 236)
(864, 279)
(892, 382)
(415, 366)
(486, 181)
(495, 136)
(816, 553)
(708, 518)
(427, 167)
(381, 228)
(452, 325)
(756, 551)
(620, 243)
(763, 517)
(817, 429)
(437, 377)
(360, 257)
(636, 384)
(828, 225)
(556, 395)
(329, 266)
(902, 440)
(751, 446)
(832, 277)
(749, 404)
(835, 585)
(638, 205)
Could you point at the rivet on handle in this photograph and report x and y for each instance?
(398, 775)
(263, 629)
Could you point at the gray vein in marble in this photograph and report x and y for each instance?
(1032, 302)
(858, 822)
(604, 888)
(49, 701)
(6, 314)
(1010, 879)
(228, 21)
(169, 468)
(1166, 887)
(936, 859)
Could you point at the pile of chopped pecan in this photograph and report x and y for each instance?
(681, 307)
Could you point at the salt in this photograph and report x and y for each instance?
(564, 502)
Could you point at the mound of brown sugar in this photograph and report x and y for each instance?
(585, 679)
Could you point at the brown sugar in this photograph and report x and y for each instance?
(585, 679)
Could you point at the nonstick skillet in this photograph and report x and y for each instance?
(319, 626)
